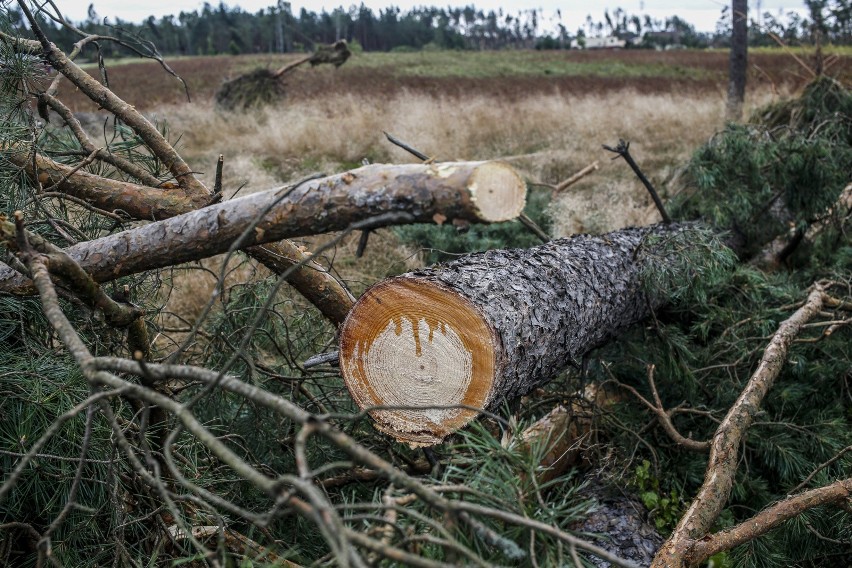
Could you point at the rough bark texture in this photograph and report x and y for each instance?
(738, 64)
(770, 518)
(473, 191)
(543, 308)
(134, 200)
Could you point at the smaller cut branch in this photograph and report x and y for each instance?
(623, 150)
(769, 519)
(562, 186)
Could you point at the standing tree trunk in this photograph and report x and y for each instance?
(434, 346)
(739, 60)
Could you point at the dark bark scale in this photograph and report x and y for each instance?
(551, 304)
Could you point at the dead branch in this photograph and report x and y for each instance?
(562, 186)
(136, 201)
(768, 519)
(109, 101)
(724, 451)
(313, 281)
(665, 416)
(475, 191)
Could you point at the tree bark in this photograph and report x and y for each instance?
(136, 201)
(738, 63)
(473, 191)
(433, 347)
(312, 280)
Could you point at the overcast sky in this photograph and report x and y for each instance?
(703, 14)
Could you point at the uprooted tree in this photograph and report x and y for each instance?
(124, 439)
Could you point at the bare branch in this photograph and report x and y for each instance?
(724, 450)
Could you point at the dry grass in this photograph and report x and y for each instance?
(546, 136)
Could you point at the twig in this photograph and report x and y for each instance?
(332, 358)
(217, 183)
(821, 467)
(594, 166)
(416, 153)
(362, 244)
(82, 203)
(533, 226)
(665, 416)
(623, 150)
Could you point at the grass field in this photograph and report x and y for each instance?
(512, 74)
(548, 113)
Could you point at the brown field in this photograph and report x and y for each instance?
(460, 74)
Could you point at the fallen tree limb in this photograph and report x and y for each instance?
(311, 280)
(135, 201)
(149, 201)
(711, 499)
(768, 519)
(108, 100)
(473, 191)
(424, 351)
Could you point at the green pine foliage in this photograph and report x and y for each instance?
(785, 168)
(795, 157)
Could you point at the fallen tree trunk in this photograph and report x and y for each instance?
(474, 191)
(427, 350)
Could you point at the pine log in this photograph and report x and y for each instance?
(425, 351)
(472, 191)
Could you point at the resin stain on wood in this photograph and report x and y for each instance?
(421, 351)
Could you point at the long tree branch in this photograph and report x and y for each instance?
(768, 519)
(473, 191)
(114, 104)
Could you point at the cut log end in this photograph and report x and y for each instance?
(499, 192)
(423, 353)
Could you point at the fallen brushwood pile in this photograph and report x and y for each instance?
(132, 430)
(262, 86)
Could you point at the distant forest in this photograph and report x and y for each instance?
(277, 29)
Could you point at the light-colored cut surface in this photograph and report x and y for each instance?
(420, 350)
(499, 192)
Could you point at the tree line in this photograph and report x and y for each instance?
(278, 29)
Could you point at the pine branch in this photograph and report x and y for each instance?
(724, 450)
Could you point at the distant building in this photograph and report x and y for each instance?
(608, 42)
(663, 39)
